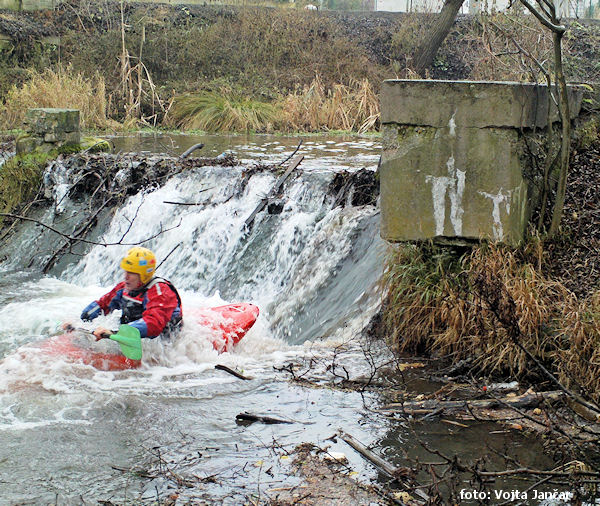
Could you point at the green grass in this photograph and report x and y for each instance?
(20, 179)
(221, 112)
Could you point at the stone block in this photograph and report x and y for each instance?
(26, 144)
(460, 184)
(46, 120)
(51, 128)
(470, 103)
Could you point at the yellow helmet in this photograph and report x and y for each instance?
(141, 261)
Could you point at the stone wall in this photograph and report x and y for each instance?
(453, 163)
(49, 129)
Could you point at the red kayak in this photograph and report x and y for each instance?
(229, 323)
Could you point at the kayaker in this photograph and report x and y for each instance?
(150, 304)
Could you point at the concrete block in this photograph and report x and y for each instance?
(459, 184)
(52, 128)
(470, 103)
(41, 121)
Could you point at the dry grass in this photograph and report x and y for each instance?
(354, 107)
(62, 89)
(439, 302)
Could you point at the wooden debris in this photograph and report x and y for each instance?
(189, 151)
(274, 191)
(249, 417)
(400, 474)
(221, 367)
(422, 407)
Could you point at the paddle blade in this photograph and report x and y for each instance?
(130, 342)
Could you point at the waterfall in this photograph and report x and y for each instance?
(310, 262)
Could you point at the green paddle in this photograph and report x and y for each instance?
(130, 341)
(128, 337)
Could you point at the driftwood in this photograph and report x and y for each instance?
(274, 191)
(400, 474)
(249, 417)
(232, 372)
(527, 400)
(189, 151)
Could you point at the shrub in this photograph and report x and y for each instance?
(20, 178)
(439, 302)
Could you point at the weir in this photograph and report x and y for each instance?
(455, 165)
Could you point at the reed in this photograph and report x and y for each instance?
(62, 88)
(221, 112)
(353, 107)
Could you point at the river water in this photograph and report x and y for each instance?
(72, 434)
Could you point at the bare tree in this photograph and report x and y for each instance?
(425, 53)
(548, 15)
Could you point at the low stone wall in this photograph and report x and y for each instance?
(453, 163)
(49, 129)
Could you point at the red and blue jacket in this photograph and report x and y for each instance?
(154, 309)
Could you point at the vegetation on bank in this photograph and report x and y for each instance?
(62, 88)
(460, 304)
(20, 179)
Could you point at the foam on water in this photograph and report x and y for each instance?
(310, 269)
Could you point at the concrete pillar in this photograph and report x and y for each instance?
(453, 163)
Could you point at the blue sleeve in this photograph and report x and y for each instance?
(141, 326)
(91, 311)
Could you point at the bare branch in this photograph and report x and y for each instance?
(555, 28)
(86, 241)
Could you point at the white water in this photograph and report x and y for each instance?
(74, 435)
(311, 270)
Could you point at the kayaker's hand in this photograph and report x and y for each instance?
(67, 327)
(102, 333)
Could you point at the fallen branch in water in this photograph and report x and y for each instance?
(261, 205)
(401, 474)
(232, 372)
(86, 241)
(249, 417)
(527, 400)
(189, 151)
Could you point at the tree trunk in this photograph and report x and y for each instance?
(565, 149)
(426, 52)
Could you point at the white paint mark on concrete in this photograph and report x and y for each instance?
(500, 198)
(452, 126)
(454, 185)
(438, 192)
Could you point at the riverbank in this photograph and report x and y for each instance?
(168, 63)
